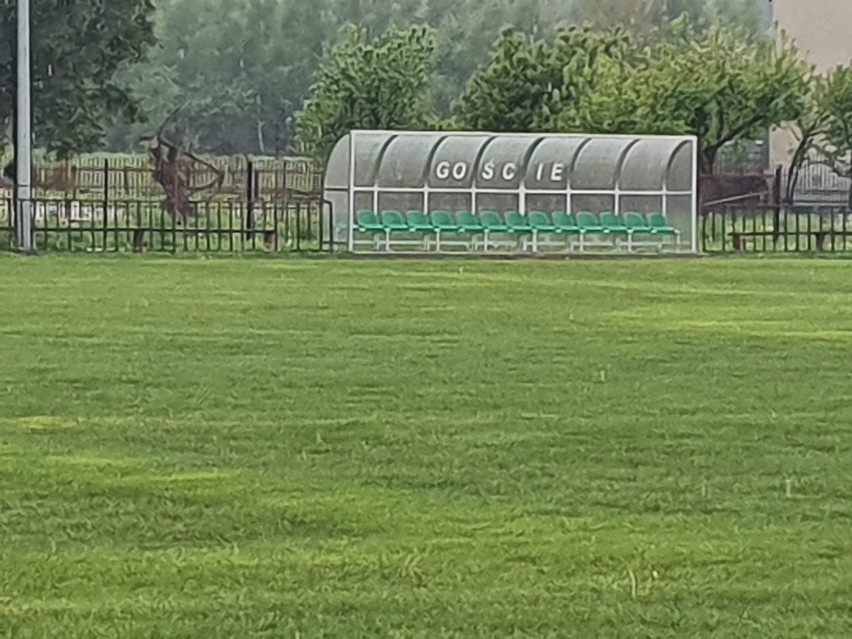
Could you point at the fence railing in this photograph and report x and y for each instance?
(132, 225)
(303, 225)
(768, 229)
(132, 177)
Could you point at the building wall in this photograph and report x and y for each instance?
(822, 29)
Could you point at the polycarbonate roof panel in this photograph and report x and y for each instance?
(501, 165)
(550, 162)
(452, 161)
(596, 165)
(405, 161)
(681, 169)
(369, 147)
(646, 164)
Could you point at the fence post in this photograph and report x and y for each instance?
(776, 201)
(298, 227)
(330, 226)
(106, 203)
(250, 222)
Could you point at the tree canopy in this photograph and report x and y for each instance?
(230, 76)
(366, 83)
(526, 84)
(78, 48)
(716, 84)
(824, 128)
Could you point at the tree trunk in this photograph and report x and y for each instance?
(707, 160)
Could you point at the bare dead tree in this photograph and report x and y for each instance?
(173, 169)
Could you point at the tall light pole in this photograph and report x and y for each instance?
(23, 145)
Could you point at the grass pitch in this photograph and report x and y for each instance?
(272, 448)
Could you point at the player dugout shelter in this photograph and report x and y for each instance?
(442, 191)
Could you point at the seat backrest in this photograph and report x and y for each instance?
(657, 220)
(515, 219)
(587, 218)
(491, 218)
(539, 219)
(563, 220)
(608, 218)
(467, 218)
(417, 218)
(393, 218)
(367, 217)
(634, 220)
(442, 218)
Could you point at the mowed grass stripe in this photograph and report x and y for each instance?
(325, 448)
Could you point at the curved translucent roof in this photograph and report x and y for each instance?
(451, 161)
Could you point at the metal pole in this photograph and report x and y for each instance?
(23, 148)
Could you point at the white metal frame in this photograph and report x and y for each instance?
(522, 193)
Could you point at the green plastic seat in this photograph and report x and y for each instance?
(492, 222)
(588, 222)
(368, 222)
(517, 223)
(443, 221)
(636, 223)
(564, 222)
(611, 223)
(417, 221)
(468, 222)
(541, 222)
(659, 225)
(394, 221)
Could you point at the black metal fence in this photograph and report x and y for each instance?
(777, 229)
(297, 225)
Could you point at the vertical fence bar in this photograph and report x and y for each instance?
(174, 217)
(321, 229)
(769, 218)
(231, 227)
(250, 194)
(106, 205)
(330, 227)
(298, 227)
(287, 223)
(786, 226)
(309, 229)
(713, 220)
(116, 236)
(810, 220)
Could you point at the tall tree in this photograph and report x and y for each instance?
(835, 105)
(526, 84)
(235, 71)
(640, 17)
(809, 129)
(77, 50)
(742, 90)
(366, 83)
(650, 18)
(239, 69)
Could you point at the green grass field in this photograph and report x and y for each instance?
(328, 448)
